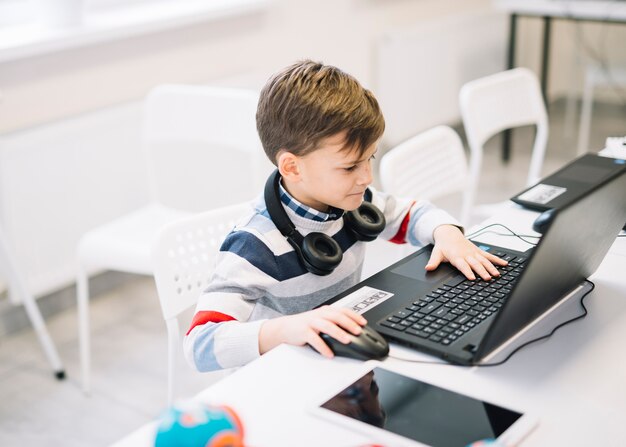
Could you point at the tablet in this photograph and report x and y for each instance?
(398, 410)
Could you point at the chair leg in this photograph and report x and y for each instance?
(82, 301)
(17, 287)
(44, 337)
(173, 341)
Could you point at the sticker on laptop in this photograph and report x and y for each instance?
(542, 193)
(363, 299)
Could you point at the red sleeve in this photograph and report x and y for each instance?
(400, 237)
(208, 316)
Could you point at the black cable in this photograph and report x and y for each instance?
(523, 345)
(513, 233)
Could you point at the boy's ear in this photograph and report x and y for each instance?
(288, 166)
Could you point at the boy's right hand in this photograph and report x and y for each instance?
(305, 327)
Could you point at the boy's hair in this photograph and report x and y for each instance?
(308, 102)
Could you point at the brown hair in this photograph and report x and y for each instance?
(308, 102)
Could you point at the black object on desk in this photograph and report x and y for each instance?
(570, 182)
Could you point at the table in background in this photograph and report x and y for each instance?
(579, 10)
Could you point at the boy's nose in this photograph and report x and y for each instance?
(365, 177)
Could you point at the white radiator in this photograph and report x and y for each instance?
(420, 70)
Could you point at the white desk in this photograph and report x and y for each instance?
(574, 382)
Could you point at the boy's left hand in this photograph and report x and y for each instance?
(452, 246)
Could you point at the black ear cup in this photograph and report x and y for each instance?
(321, 252)
(366, 222)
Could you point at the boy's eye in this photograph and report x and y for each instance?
(350, 169)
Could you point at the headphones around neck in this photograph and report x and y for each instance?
(318, 252)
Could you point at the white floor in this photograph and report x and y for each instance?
(129, 339)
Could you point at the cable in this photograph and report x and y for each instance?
(523, 345)
(513, 233)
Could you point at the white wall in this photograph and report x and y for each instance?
(339, 32)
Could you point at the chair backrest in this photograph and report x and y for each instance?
(503, 101)
(184, 256)
(429, 165)
(202, 146)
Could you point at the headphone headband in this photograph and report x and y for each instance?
(276, 210)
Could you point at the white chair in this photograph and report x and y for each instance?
(192, 135)
(427, 166)
(15, 282)
(183, 257)
(595, 76)
(498, 102)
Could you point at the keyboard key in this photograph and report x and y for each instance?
(402, 313)
(394, 326)
(431, 307)
(417, 333)
(441, 312)
(463, 319)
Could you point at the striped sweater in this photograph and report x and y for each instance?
(258, 276)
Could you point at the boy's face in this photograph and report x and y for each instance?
(332, 175)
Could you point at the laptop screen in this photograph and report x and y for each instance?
(571, 249)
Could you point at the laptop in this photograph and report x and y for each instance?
(444, 314)
(570, 182)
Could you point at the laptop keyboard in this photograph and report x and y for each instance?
(458, 306)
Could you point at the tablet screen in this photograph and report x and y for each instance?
(420, 411)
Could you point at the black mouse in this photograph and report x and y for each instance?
(369, 344)
(541, 223)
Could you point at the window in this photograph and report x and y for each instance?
(34, 27)
(16, 12)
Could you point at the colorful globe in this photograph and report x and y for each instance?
(193, 424)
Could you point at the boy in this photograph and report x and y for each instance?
(321, 128)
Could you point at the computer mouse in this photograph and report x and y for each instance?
(369, 344)
(540, 225)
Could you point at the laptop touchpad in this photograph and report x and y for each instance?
(414, 269)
